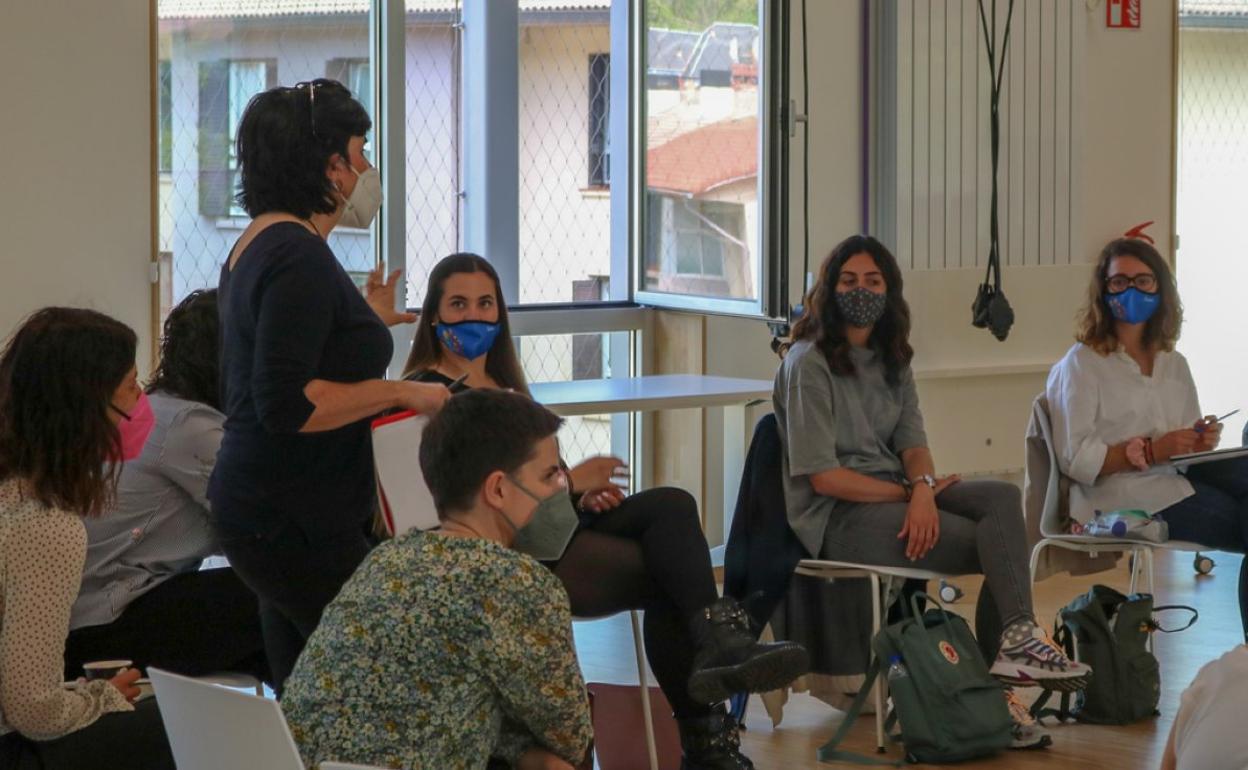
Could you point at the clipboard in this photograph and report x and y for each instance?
(1196, 458)
(406, 502)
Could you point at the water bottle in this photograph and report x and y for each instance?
(896, 669)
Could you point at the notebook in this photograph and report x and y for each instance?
(406, 502)
(1195, 458)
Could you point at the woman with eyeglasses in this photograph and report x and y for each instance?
(302, 363)
(1123, 403)
(70, 410)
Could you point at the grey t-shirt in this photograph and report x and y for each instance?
(830, 421)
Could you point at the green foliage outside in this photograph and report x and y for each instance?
(697, 15)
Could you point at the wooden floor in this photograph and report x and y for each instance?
(606, 653)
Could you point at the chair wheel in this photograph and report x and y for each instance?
(949, 593)
(1203, 564)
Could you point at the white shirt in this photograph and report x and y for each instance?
(1209, 728)
(1097, 401)
(41, 555)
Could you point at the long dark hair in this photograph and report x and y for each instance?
(501, 363)
(1096, 321)
(823, 323)
(58, 374)
(188, 351)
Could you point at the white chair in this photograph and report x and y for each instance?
(217, 728)
(883, 582)
(1052, 535)
(234, 680)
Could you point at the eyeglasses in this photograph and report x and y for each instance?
(1145, 282)
(310, 86)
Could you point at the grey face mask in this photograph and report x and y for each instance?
(861, 306)
(548, 533)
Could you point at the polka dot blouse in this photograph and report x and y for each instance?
(42, 551)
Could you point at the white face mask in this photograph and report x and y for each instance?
(361, 208)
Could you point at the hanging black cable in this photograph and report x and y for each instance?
(990, 309)
(805, 158)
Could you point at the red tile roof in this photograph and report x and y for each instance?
(698, 161)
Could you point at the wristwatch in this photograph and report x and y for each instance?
(926, 478)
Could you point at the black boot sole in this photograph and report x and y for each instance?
(762, 673)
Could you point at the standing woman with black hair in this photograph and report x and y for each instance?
(303, 356)
(144, 597)
(70, 408)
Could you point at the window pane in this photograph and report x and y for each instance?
(562, 357)
(220, 53)
(565, 214)
(702, 148)
(432, 73)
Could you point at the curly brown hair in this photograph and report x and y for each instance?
(58, 374)
(1095, 327)
(823, 323)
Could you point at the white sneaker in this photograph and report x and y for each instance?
(1026, 731)
(1030, 658)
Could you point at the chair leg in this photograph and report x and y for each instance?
(651, 748)
(877, 602)
(1135, 570)
(1035, 562)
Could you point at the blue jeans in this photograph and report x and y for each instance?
(1216, 516)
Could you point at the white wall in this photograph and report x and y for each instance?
(75, 208)
(975, 418)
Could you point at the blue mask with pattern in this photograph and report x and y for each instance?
(1132, 305)
(469, 339)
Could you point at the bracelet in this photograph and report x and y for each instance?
(1148, 451)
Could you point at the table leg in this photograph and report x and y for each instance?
(734, 448)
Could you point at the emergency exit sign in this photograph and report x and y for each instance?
(1122, 14)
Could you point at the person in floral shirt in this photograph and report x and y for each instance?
(447, 649)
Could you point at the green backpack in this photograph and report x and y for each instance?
(1109, 631)
(948, 706)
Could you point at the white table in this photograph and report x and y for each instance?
(657, 392)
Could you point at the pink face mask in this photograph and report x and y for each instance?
(135, 427)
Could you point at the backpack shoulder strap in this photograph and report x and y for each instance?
(1063, 637)
(829, 752)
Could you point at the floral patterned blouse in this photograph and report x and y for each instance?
(440, 653)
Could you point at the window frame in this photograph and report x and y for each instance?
(771, 266)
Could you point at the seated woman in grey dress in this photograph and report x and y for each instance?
(860, 483)
(144, 597)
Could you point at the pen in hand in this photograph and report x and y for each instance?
(1203, 425)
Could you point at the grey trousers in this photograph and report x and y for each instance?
(981, 532)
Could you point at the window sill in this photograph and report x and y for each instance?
(593, 193)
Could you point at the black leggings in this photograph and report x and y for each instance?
(294, 577)
(648, 554)
(195, 623)
(122, 740)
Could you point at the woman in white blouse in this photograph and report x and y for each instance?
(69, 405)
(1123, 403)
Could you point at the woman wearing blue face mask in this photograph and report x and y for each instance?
(642, 551)
(1123, 402)
(303, 356)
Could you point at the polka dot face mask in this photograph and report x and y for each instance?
(861, 306)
